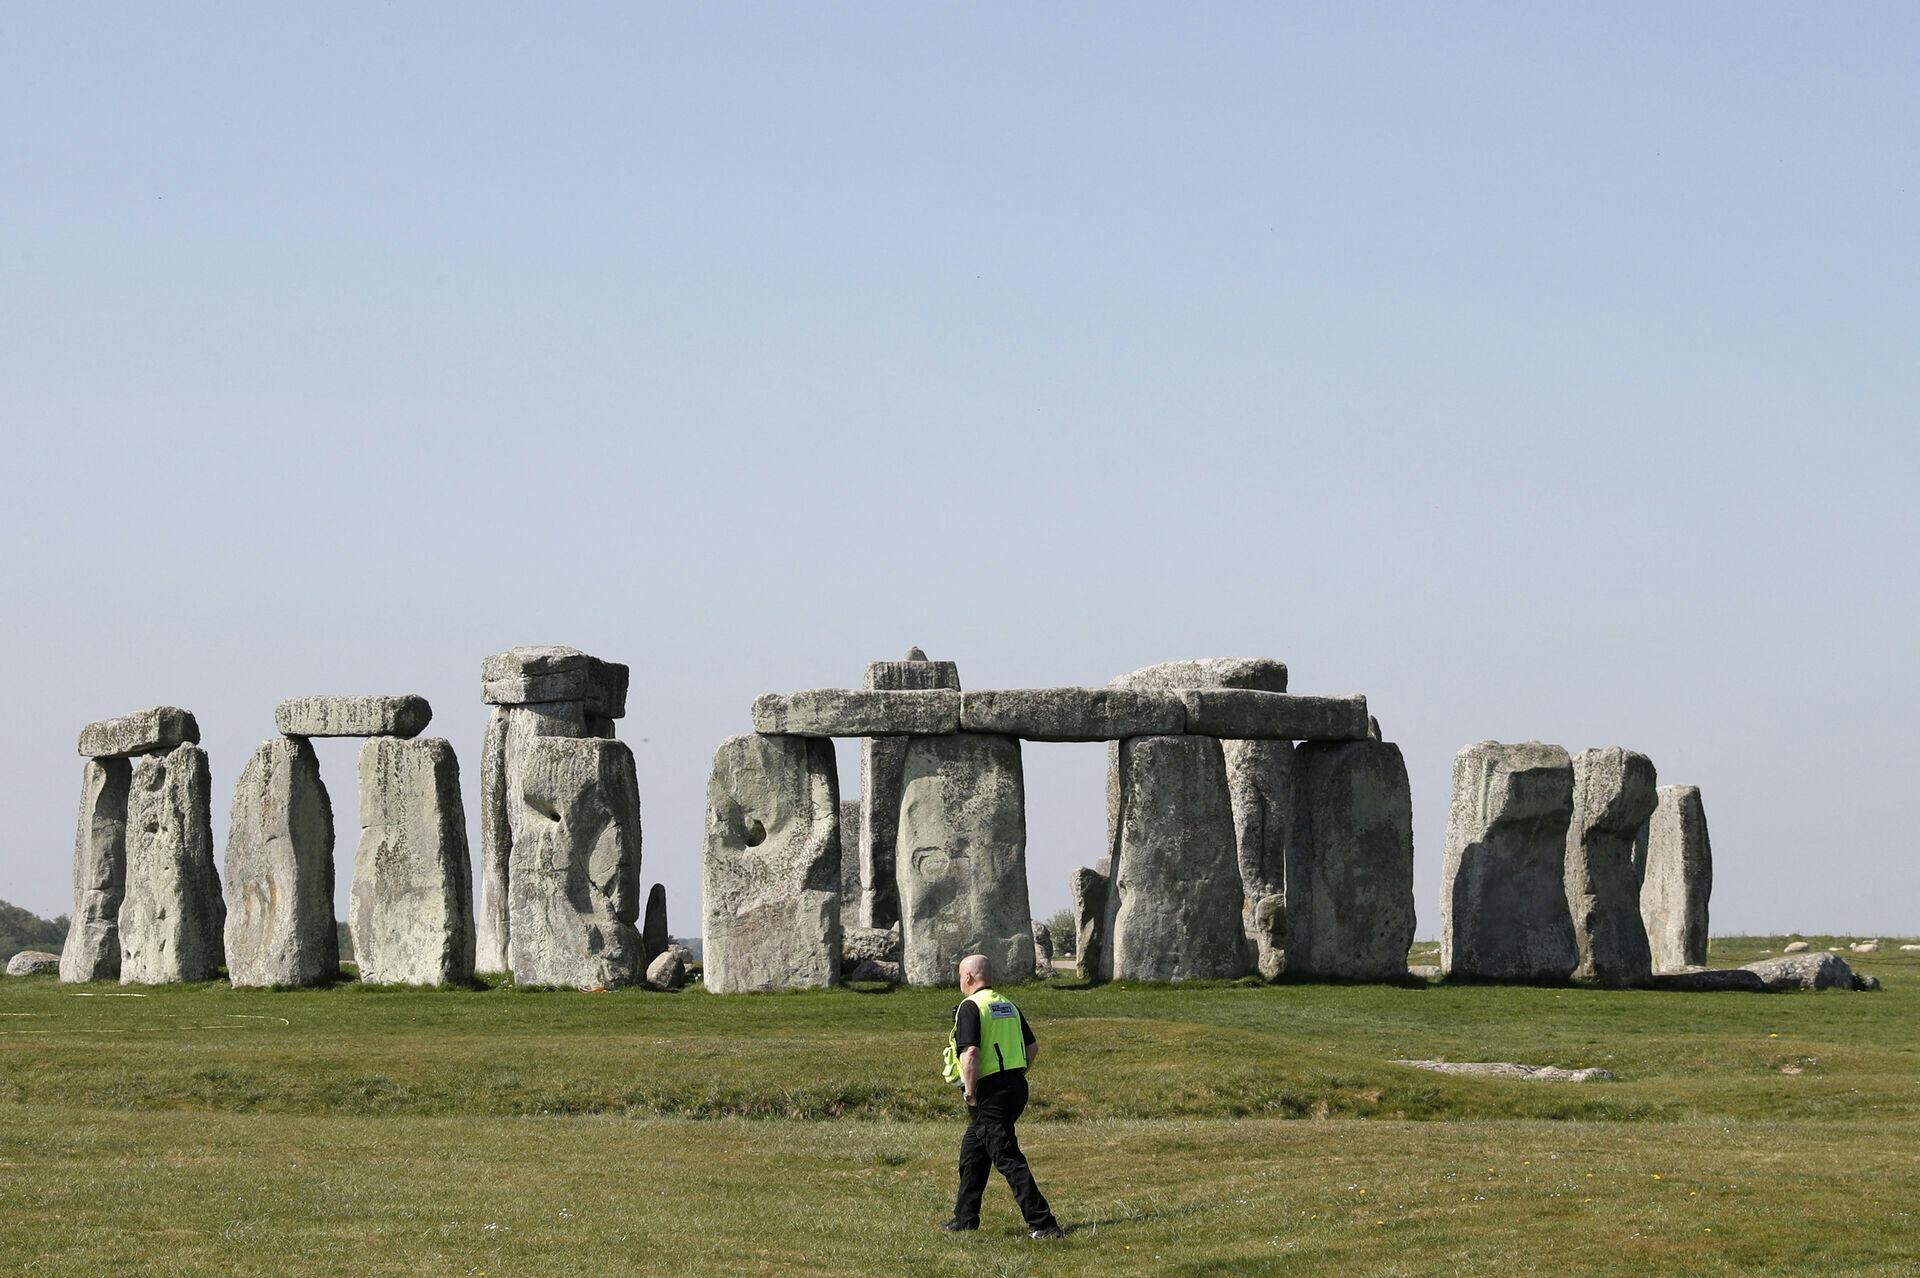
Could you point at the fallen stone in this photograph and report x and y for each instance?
(881, 761)
(1261, 674)
(855, 712)
(542, 673)
(172, 915)
(509, 728)
(962, 862)
(1506, 1069)
(151, 731)
(772, 866)
(412, 895)
(1813, 971)
(878, 970)
(654, 937)
(1797, 947)
(1244, 714)
(1071, 714)
(574, 879)
(1676, 869)
(1865, 982)
(1708, 980)
(1424, 971)
(1503, 903)
(667, 971)
(1349, 878)
(1865, 947)
(1174, 898)
(858, 944)
(406, 715)
(1909, 948)
(33, 963)
(92, 950)
(1614, 793)
(1089, 893)
(279, 872)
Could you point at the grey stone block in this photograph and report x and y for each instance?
(854, 712)
(150, 731)
(1676, 861)
(535, 674)
(279, 872)
(1614, 792)
(1261, 789)
(852, 890)
(172, 915)
(1261, 674)
(405, 715)
(33, 963)
(1503, 904)
(1071, 714)
(911, 675)
(92, 951)
(881, 760)
(962, 861)
(574, 878)
(1088, 889)
(1815, 971)
(1174, 903)
(1244, 714)
(1349, 881)
(412, 897)
(772, 867)
(654, 936)
(1709, 980)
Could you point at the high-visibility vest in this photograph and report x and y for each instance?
(1002, 1045)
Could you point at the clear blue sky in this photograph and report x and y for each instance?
(1540, 371)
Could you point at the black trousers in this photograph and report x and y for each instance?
(999, 1100)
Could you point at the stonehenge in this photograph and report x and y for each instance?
(1349, 877)
(279, 870)
(881, 759)
(412, 883)
(1613, 795)
(92, 950)
(1503, 902)
(772, 865)
(1675, 863)
(172, 917)
(654, 937)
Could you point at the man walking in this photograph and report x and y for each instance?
(988, 1053)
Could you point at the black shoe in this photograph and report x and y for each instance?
(958, 1226)
(1050, 1231)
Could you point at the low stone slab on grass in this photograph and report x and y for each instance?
(1507, 1069)
(32, 963)
(1709, 980)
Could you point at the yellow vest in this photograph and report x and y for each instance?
(1002, 1045)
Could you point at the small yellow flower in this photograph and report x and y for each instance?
(1656, 1175)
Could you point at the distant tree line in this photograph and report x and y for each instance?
(24, 930)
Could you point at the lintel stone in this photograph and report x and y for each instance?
(1072, 714)
(537, 673)
(1243, 714)
(848, 712)
(405, 715)
(150, 731)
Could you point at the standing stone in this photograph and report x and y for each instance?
(1260, 785)
(962, 858)
(852, 890)
(412, 883)
(280, 928)
(509, 729)
(1503, 904)
(1175, 900)
(881, 761)
(574, 882)
(772, 866)
(1677, 863)
(1042, 951)
(1349, 902)
(92, 951)
(654, 937)
(1614, 792)
(172, 915)
(1088, 888)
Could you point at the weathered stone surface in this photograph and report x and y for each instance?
(772, 866)
(1865, 947)
(1799, 947)
(279, 871)
(509, 728)
(1072, 714)
(1424, 971)
(1042, 951)
(1676, 862)
(878, 970)
(574, 878)
(541, 673)
(852, 890)
(1349, 880)
(412, 882)
(172, 915)
(654, 937)
(150, 731)
(1244, 714)
(667, 971)
(1088, 888)
(1508, 1069)
(1819, 971)
(33, 963)
(857, 712)
(1261, 674)
(1708, 980)
(404, 715)
(1261, 788)
(962, 864)
(1503, 902)
(1614, 792)
(881, 761)
(1174, 898)
(860, 943)
(92, 950)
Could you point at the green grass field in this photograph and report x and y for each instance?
(1225, 1129)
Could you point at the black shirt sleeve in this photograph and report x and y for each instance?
(966, 1026)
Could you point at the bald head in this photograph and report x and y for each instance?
(973, 973)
